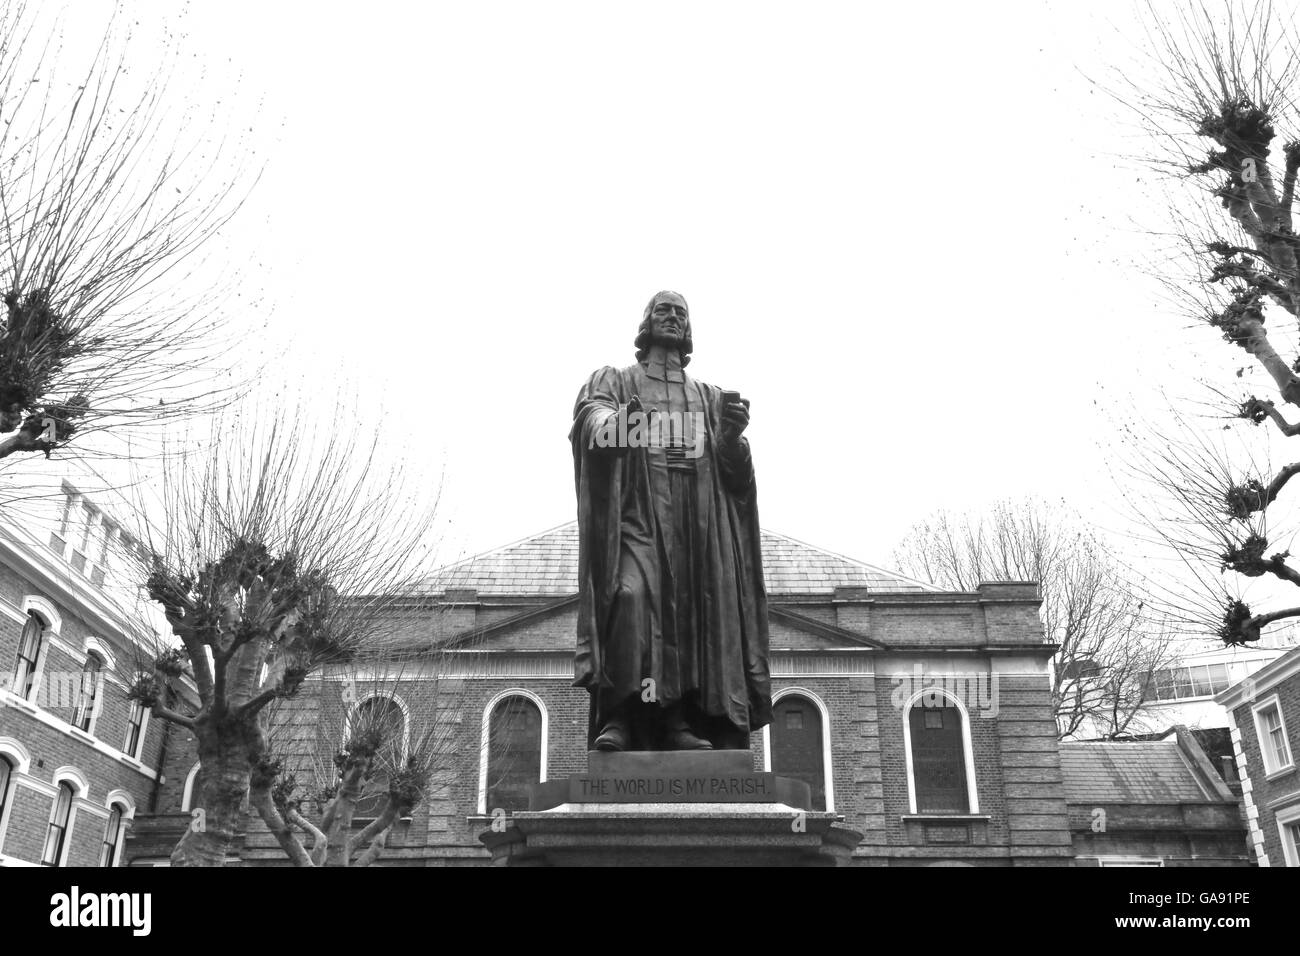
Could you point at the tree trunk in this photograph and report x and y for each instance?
(227, 767)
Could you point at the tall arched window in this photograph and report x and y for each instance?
(798, 744)
(6, 778)
(29, 656)
(89, 693)
(937, 756)
(112, 836)
(56, 837)
(384, 717)
(514, 753)
(134, 726)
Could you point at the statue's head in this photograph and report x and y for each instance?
(667, 321)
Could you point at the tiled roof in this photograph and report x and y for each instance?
(547, 563)
(1147, 772)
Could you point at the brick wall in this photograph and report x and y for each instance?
(1265, 792)
(43, 730)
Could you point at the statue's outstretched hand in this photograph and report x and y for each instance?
(735, 419)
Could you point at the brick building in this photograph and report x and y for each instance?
(1264, 711)
(1158, 802)
(922, 716)
(78, 761)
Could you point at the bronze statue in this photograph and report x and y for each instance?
(672, 620)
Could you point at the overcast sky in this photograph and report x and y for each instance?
(909, 233)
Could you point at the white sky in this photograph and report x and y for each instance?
(906, 232)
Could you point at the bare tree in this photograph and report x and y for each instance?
(105, 200)
(393, 743)
(273, 558)
(1109, 644)
(1217, 98)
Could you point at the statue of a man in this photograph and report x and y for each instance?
(672, 620)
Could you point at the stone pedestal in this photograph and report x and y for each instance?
(671, 808)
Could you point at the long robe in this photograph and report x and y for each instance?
(670, 583)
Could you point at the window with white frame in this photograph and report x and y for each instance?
(1270, 728)
(91, 681)
(798, 744)
(383, 719)
(29, 656)
(56, 836)
(1181, 683)
(69, 506)
(514, 752)
(1288, 826)
(937, 741)
(6, 781)
(113, 831)
(134, 728)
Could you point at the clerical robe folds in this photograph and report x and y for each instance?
(672, 609)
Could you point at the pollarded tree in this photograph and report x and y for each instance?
(106, 199)
(398, 738)
(272, 558)
(1110, 645)
(1218, 98)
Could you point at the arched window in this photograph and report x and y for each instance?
(939, 761)
(89, 693)
(134, 727)
(386, 719)
(113, 831)
(192, 788)
(56, 837)
(798, 744)
(6, 777)
(514, 753)
(29, 656)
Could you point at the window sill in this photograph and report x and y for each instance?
(10, 699)
(1271, 775)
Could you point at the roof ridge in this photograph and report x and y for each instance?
(857, 561)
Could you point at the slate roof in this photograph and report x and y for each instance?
(1145, 773)
(547, 564)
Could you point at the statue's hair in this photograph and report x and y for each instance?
(643, 333)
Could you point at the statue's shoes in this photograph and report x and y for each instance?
(685, 740)
(613, 737)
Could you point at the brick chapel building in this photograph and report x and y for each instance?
(922, 717)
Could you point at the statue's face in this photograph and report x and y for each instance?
(668, 319)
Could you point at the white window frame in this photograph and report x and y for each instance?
(191, 780)
(144, 726)
(98, 704)
(968, 750)
(76, 780)
(380, 695)
(53, 622)
(20, 760)
(485, 736)
(1288, 817)
(1272, 769)
(123, 801)
(829, 782)
(406, 724)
